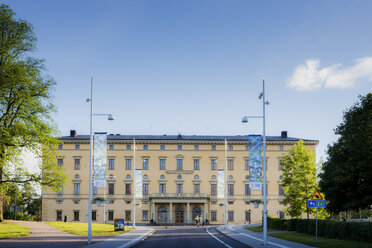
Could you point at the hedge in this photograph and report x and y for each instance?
(359, 231)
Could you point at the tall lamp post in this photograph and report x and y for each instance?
(245, 120)
(110, 118)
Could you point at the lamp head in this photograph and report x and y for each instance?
(245, 119)
(110, 117)
(260, 96)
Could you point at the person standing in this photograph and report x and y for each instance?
(197, 220)
(201, 220)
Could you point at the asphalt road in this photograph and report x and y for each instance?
(193, 237)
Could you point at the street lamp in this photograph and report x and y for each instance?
(110, 117)
(245, 120)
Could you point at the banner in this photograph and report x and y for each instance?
(138, 184)
(100, 159)
(221, 184)
(255, 161)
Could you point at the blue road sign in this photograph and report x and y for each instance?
(316, 203)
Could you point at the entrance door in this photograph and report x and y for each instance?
(179, 217)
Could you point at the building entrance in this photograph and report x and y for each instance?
(179, 215)
(195, 212)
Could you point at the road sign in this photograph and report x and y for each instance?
(316, 203)
(317, 196)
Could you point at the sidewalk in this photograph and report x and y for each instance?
(255, 240)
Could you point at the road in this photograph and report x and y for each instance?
(192, 237)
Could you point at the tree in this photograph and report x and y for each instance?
(25, 107)
(346, 179)
(299, 179)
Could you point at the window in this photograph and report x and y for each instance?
(77, 147)
(213, 177)
(128, 164)
(196, 177)
(128, 188)
(94, 215)
(60, 161)
(262, 190)
(76, 188)
(179, 147)
(246, 164)
(280, 161)
(129, 147)
(196, 147)
(128, 215)
(247, 147)
(213, 189)
(145, 188)
(111, 164)
(231, 177)
(179, 188)
(213, 215)
(110, 215)
(230, 147)
(231, 216)
(213, 164)
(162, 147)
(196, 188)
(247, 189)
(127, 176)
(162, 188)
(196, 164)
(162, 164)
(230, 189)
(213, 202)
(179, 164)
(230, 202)
(145, 147)
(280, 148)
(111, 187)
(230, 164)
(213, 147)
(59, 215)
(145, 164)
(281, 215)
(179, 177)
(248, 216)
(111, 147)
(60, 146)
(145, 176)
(76, 215)
(281, 191)
(77, 164)
(145, 215)
(60, 192)
(162, 177)
(94, 189)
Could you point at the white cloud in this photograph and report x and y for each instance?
(309, 77)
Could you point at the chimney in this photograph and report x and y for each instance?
(284, 134)
(72, 133)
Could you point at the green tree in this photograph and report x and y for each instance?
(25, 107)
(299, 180)
(346, 179)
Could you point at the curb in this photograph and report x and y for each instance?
(232, 238)
(139, 240)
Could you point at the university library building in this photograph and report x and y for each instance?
(179, 177)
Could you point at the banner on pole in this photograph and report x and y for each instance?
(138, 184)
(221, 184)
(100, 159)
(255, 161)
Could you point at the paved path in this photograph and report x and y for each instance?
(255, 240)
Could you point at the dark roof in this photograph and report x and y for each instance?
(184, 137)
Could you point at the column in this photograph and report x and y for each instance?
(153, 211)
(170, 212)
(188, 213)
(205, 211)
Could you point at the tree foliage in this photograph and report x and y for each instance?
(299, 180)
(25, 106)
(346, 179)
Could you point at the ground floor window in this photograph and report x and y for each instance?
(76, 215)
(110, 215)
(59, 215)
(231, 215)
(145, 215)
(94, 215)
(162, 214)
(127, 215)
(213, 215)
(248, 216)
(281, 215)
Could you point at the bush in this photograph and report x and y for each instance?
(276, 223)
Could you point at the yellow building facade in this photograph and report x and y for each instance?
(179, 180)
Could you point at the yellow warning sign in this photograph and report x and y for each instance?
(317, 196)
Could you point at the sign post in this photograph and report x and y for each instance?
(316, 202)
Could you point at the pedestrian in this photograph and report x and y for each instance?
(197, 221)
(201, 220)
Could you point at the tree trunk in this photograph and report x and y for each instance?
(1, 192)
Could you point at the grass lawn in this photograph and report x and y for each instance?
(322, 242)
(8, 230)
(82, 228)
(259, 229)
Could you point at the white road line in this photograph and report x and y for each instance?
(135, 240)
(218, 239)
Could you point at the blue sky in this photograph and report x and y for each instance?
(196, 67)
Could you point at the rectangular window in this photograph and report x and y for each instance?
(230, 202)
(145, 164)
(128, 215)
(94, 215)
(196, 147)
(230, 164)
(179, 188)
(77, 164)
(179, 164)
(162, 188)
(128, 164)
(230, 189)
(213, 215)
(129, 147)
(111, 187)
(247, 147)
(230, 147)
(76, 215)
(213, 147)
(145, 188)
(179, 147)
(111, 147)
(76, 188)
(94, 189)
(281, 215)
(280, 161)
(60, 161)
(213, 164)
(196, 164)
(213, 202)
(162, 147)
(59, 215)
(248, 216)
(247, 189)
(281, 191)
(246, 164)
(262, 190)
(77, 147)
(60, 146)
(145, 215)
(111, 164)
(162, 164)
(230, 216)
(128, 188)
(280, 148)
(60, 192)
(145, 147)
(196, 188)
(213, 189)
(110, 215)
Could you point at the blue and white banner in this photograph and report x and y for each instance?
(100, 159)
(221, 184)
(138, 183)
(255, 161)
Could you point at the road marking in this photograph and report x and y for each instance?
(218, 239)
(135, 240)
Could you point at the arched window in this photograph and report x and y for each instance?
(111, 176)
(179, 177)
(145, 176)
(162, 177)
(128, 176)
(247, 177)
(196, 177)
(77, 176)
(213, 177)
(231, 177)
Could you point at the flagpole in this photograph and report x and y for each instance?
(134, 181)
(225, 183)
